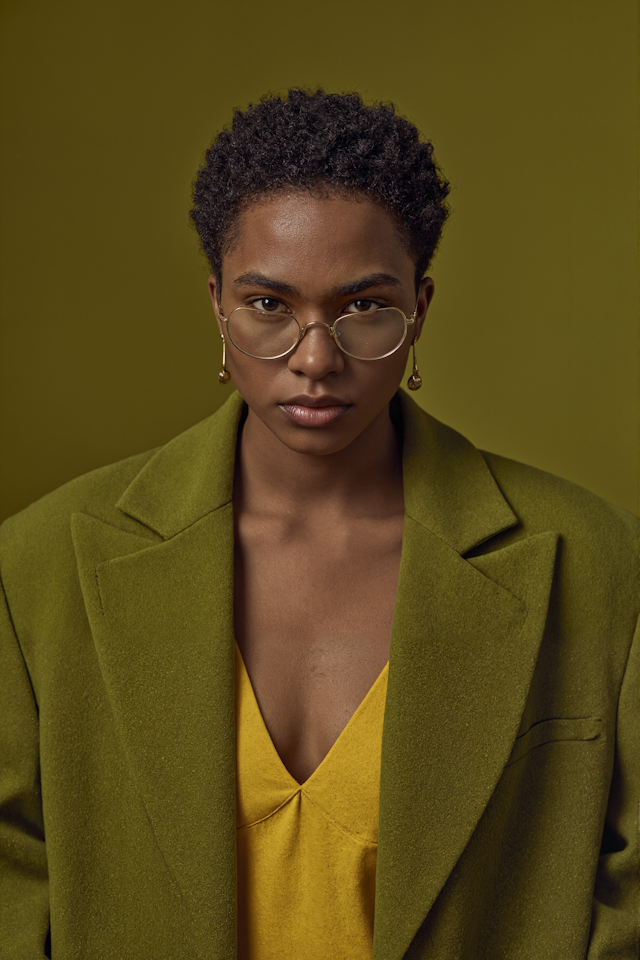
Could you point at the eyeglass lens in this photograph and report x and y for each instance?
(364, 336)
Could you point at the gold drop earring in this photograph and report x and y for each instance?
(415, 380)
(224, 376)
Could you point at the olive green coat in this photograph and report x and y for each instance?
(509, 782)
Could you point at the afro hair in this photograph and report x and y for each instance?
(311, 139)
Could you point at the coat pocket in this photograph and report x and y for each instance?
(549, 731)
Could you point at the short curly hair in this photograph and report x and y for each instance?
(311, 139)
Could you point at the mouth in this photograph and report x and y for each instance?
(318, 411)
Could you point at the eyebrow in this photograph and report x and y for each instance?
(288, 290)
(372, 280)
(259, 280)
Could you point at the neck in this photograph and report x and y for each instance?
(363, 479)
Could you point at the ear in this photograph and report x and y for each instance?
(426, 291)
(213, 293)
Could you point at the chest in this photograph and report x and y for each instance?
(313, 619)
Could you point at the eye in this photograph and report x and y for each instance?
(268, 305)
(362, 306)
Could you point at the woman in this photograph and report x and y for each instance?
(426, 649)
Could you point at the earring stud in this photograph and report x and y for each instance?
(415, 380)
(224, 376)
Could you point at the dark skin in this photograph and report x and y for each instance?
(318, 506)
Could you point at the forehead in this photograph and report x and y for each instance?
(318, 240)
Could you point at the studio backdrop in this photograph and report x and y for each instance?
(108, 341)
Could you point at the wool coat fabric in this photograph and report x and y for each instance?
(509, 778)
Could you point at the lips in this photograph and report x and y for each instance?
(320, 411)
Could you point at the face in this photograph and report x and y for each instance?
(318, 258)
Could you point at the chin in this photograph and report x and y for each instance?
(319, 443)
(315, 441)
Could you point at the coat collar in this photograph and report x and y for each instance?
(448, 488)
(464, 644)
(188, 478)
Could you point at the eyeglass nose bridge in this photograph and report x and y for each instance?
(317, 323)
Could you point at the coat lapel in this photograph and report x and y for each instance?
(465, 641)
(161, 615)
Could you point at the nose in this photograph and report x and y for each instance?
(316, 355)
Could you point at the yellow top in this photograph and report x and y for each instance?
(307, 852)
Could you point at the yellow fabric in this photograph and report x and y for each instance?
(307, 853)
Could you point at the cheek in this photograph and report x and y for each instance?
(254, 379)
(389, 371)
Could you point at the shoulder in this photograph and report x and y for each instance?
(543, 500)
(182, 474)
(479, 501)
(96, 491)
(597, 563)
(39, 537)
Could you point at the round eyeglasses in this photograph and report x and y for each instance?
(372, 335)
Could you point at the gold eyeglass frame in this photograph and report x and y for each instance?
(330, 328)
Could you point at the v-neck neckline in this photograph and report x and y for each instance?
(295, 784)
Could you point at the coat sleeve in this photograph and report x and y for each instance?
(24, 893)
(615, 924)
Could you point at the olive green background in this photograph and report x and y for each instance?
(108, 344)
